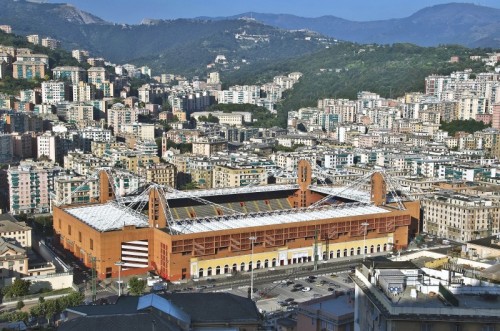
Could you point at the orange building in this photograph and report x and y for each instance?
(210, 232)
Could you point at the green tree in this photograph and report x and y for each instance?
(20, 305)
(469, 126)
(190, 186)
(210, 118)
(136, 285)
(19, 288)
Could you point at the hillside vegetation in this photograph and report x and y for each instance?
(345, 69)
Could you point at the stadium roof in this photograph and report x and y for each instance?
(107, 217)
(351, 194)
(274, 218)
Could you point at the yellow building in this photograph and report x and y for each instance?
(228, 176)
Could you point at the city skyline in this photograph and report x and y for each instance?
(126, 11)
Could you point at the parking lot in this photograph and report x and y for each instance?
(285, 294)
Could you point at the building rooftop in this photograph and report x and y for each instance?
(425, 297)
(9, 224)
(490, 242)
(274, 218)
(108, 217)
(332, 304)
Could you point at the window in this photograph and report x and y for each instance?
(79, 236)
(69, 230)
(91, 244)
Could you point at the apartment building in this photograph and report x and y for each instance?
(28, 69)
(46, 146)
(14, 260)
(54, 92)
(97, 75)
(142, 131)
(70, 74)
(80, 55)
(84, 164)
(13, 230)
(24, 144)
(51, 43)
(80, 112)
(44, 58)
(162, 173)
(84, 92)
(229, 176)
(118, 115)
(401, 296)
(291, 140)
(6, 148)
(210, 146)
(29, 186)
(460, 217)
(71, 189)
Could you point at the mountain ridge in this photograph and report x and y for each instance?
(453, 23)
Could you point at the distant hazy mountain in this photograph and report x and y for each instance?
(455, 23)
(182, 45)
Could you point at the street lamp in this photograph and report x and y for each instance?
(252, 240)
(365, 224)
(119, 264)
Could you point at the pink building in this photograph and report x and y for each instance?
(495, 120)
(30, 184)
(485, 118)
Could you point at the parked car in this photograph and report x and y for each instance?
(306, 289)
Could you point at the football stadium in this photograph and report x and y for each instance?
(202, 233)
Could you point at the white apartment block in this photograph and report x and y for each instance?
(118, 115)
(46, 145)
(68, 73)
(291, 140)
(143, 131)
(84, 92)
(54, 92)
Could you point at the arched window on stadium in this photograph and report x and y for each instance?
(266, 263)
(274, 263)
(338, 252)
(257, 266)
(217, 270)
(250, 266)
(209, 271)
(366, 249)
(352, 252)
(345, 251)
(385, 247)
(226, 269)
(235, 267)
(200, 272)
(331, 254)
(372, 249)
(358, 251)
(378, 248)
(324, 255)
(242, 267)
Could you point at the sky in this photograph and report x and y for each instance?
(133, 11)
